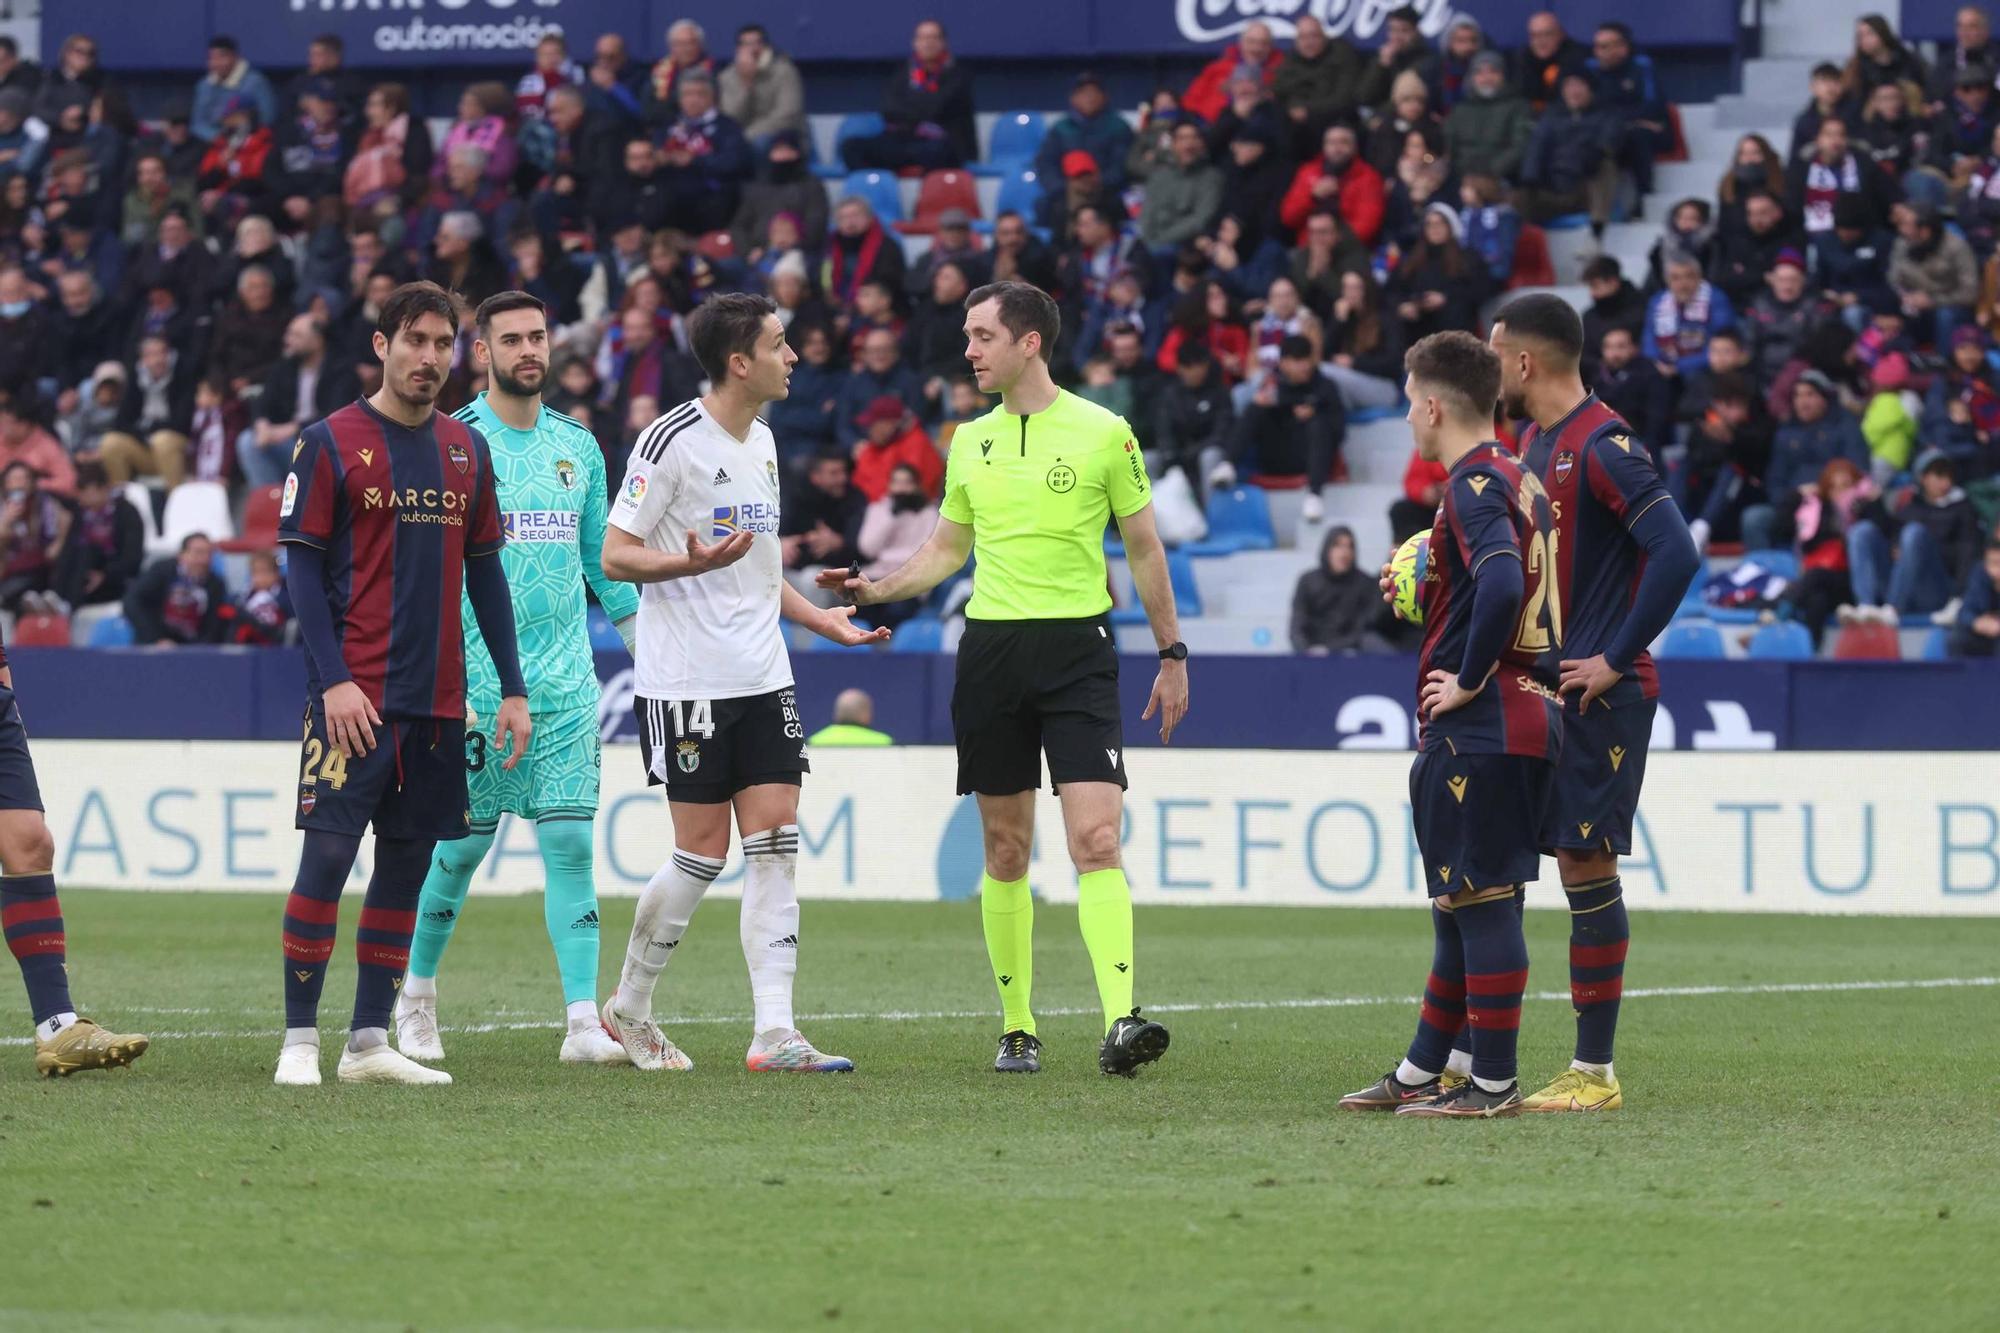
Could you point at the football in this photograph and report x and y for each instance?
(1406, 577)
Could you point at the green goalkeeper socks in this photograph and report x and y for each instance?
(569, 903)
(1007, 909)
(452, 868)
(1104, 911)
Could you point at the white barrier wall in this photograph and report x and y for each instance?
(1797, 832)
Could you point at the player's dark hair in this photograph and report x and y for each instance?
(502, 302)
(723, 326)
(1462, 369)
(1545, 318)
(1024, 309)
(410, 303)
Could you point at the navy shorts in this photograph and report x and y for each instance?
(411, 785)
(1479, 818)
(1597, 783)
(18, 788)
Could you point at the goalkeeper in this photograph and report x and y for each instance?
(551, 487)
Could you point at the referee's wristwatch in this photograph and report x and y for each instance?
(1174, 652)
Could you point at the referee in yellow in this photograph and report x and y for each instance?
(1029, 488)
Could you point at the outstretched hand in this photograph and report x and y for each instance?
(704, 557)
(848, 581)
(839, 627)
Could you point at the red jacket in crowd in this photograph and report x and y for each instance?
(1362, 199)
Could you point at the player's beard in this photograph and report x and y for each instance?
(516, 388)
(1514, 405)
(419, 392)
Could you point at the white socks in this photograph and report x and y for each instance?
(769, 927)
(583, 1016)
(665, 909)
(46, 1031)
(1602, 1071)
(420, 988)
(1410, 1076)
(301, 1036)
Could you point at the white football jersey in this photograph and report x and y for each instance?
(715, 635)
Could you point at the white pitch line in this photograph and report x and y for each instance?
(1216, 1006)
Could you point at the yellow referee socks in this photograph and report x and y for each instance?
(1007, 910)
(1104, 911)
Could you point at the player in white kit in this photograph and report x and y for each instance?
(695, 523)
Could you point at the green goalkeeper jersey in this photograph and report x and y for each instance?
(551, 488)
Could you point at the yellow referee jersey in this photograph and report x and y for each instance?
(1037, 492)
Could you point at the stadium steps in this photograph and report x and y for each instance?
(1362, 506)
(1377, 451)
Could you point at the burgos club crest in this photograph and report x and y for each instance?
(1565, 464)
(566, 473)
(688, 755)
(460, 459)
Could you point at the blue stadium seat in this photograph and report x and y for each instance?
(1018, 192)
(1783, 563)
(1239, 519)
(1567, 222)
(1363, 414)
(853, 125)
(923, 634)
(1937, 644)
(879, 188)
(1692, 639)
(1187, 593)
(115, 632)
(603, 634)
(1782, 641)
(1017, 137)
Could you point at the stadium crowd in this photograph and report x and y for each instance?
(1810, 353)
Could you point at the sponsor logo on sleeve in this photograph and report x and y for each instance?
(635, 488)
(291, 497)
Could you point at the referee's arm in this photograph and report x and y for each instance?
(942, 555)
(1146, 556)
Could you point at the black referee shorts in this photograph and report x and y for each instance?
(1029, 686)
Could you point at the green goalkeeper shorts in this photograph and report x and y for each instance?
(559, 772)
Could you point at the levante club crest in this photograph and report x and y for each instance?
(460, 459)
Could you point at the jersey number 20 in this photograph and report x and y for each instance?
(1541, 612)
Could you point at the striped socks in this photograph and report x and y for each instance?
(311, 914)
(1442, 1016)
(769, 927)
(1496, 975)
(1599, 933)
(382, 943)
(665, 907)
(31, 919)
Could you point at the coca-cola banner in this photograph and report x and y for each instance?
(166, 34)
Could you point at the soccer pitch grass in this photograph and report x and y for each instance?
(1806, 1155)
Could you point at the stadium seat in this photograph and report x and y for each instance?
(1239, 519)
(260, 521)
(604, 636)
(1937, 644)
(1693, 640)
(1362, 415)
(1187, 593)
(853, 125)
(140, 497)
(1017, 137)
(716, 246)
(1868, 643)
(111, 632)
(1019, 192)
(1783, 563)
(879, 188)
(1532, 265)
(194, 506)
(941, 190)
(1782, 641)
(41, 631)
(923, 634)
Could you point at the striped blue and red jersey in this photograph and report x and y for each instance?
(397, 510)
(1492, 510)
(1600, 479)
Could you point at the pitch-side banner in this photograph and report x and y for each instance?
(1823, 833)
